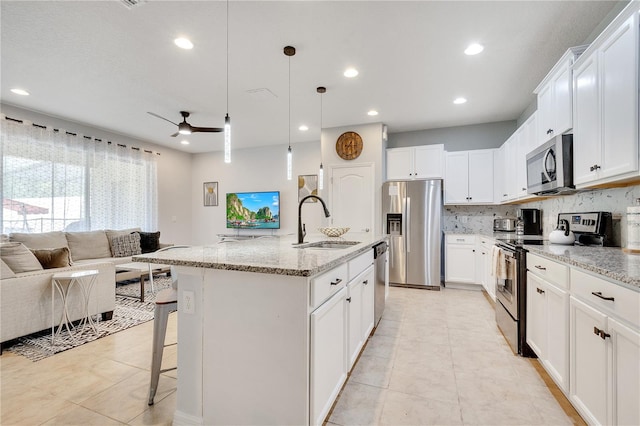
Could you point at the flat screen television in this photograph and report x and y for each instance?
(253, 210)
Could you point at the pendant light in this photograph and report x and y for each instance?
(289, 51)
(227, 119)
(321, 90)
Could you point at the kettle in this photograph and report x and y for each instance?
(562, 234)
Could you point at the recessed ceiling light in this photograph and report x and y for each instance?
(21, 92)
(303, 128)
(459, 101)
(184, 142)
(474, 49)
(183, 43)
(372, 112)
(350, 72)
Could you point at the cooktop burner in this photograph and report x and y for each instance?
(520, 240)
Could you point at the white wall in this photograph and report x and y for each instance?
(255, 169)
(174, 173)
(372, 152)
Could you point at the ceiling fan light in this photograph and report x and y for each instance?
(184, 128)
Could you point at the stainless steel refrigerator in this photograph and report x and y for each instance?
(411, 211)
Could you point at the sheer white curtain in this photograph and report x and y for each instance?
(53, 181)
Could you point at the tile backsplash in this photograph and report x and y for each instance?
(479, 219)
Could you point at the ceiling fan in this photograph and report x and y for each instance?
(185, 128)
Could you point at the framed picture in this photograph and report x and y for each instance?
(307, 185)
(210, 194)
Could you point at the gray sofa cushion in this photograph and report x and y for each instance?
(111, 233)
(88, 245)
(42, 240)
(19, 258)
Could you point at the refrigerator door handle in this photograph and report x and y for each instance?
(407, 227)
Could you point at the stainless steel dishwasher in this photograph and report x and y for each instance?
(380, 261)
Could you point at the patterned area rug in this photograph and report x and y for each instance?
(129, 311)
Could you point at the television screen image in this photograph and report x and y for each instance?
(253, 210)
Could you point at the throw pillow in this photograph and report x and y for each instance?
(54, 258)
(5, 271)
(149, 241)
(19, 258)
(125, 245)
(87, 245)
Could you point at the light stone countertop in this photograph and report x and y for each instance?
(267, 255)
(610, 262)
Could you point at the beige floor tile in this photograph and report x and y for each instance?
(438, 384)
(358, 405)
(402, 409)
(381, 346)
(501, 413)
(81, 416)
(161, 413)
(372, 370)
(388, 328)
(32, 407)
(128, 399)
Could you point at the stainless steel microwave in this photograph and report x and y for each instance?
(550, 167)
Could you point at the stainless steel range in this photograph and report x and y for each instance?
(511, 291)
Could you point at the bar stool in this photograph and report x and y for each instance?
(166, 302)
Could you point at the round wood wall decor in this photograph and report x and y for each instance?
(349, 146)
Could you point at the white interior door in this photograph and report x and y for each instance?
(352, 197)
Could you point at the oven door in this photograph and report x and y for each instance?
(507, 281)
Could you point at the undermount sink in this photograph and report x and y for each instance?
(327, 245)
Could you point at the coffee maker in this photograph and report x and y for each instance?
(531, 220)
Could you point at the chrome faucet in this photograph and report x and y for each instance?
(301, 231)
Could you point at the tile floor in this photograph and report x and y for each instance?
(436, 358)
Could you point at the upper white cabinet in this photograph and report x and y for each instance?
(416, 162)
(469, 177)
(555, 98)
(605, 78)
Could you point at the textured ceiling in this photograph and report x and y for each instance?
(105, 65)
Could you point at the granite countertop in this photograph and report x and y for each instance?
(610, 262)
(267, 255)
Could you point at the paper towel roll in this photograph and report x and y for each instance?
(633, 226)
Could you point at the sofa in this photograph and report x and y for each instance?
(25, 293)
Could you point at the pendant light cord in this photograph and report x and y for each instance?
(289, 102)
(227, 56)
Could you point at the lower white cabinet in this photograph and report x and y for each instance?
(460, 259)
(328, 355)
(360, 304)
(484, 266)
(605, 350)
(548, 327)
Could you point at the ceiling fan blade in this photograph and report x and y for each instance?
(206, 129)
(161, 117)
(175, 134)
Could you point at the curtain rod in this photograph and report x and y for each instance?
(75, 134)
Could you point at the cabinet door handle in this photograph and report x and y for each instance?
(349, 299)
(603, 335)
(365, 282)
(549, 131)
(542, 268)
(539, 290)
(599, 294)
(524, 189)
(336, 282)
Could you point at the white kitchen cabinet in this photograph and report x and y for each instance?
(328, 355)
(499, 181)
(417, 162)
(484, 265)
(469, 177)
(605, 350)
(548, 316)
(526, 142)
(360, 305)
(606, 107)
(460, 260)
(555, 100)
(509, 170)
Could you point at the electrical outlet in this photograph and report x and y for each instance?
(188, 303)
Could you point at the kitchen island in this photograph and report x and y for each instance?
(268, 331)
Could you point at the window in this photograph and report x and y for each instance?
(56, 181)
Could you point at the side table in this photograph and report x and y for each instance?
(63, 282)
